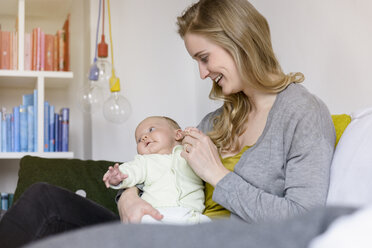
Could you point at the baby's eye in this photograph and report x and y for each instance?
(151, 129)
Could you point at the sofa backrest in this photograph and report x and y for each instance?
(72, 174)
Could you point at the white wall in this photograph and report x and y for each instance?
(157, 75)
(329, 41)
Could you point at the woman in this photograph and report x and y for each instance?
(282, 135)
(266, 151)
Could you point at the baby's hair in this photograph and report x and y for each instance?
(172, 122)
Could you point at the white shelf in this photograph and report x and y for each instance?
(19, 155)
(34, 12)
(45, 74)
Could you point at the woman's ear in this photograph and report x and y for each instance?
(179, 135)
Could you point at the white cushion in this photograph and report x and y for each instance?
(351, 170)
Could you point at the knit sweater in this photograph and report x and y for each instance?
(287, 171)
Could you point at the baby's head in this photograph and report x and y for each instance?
(157, 135)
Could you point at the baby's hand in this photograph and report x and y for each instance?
(113, 176)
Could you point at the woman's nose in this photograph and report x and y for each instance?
(204, 72)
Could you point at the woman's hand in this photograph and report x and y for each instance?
(202, 156)
(132, 208)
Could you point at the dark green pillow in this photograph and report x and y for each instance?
(71, 174)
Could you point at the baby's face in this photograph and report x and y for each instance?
(155, 136)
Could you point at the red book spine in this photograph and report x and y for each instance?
(49, 52)
(42, 51)
(55, 55)
(34, 49)
(5, 50)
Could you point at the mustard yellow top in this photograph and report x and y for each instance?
(213, 209)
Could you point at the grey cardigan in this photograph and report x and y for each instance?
(287, 171)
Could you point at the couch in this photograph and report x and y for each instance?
(85, 176)
(351, 168)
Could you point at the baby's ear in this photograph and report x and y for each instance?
(179, 135)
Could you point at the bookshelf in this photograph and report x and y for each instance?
(25, 15)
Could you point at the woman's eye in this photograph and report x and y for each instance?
(204, 59)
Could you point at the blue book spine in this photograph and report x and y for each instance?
(46, 127)
(28, 99)
(8, 118)
(51, 129)
(4, 201)
(60, 133)
(65, 112)
(30, 128)
(23, 128)
(17, 146)
(12, 132)
(35, 120)
(3, 133)
(56, 131)
(10, 200)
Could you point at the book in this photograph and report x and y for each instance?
(33, 49)
(59, 133)
(10, 199)
(4, 201)
(51, 129)
(49, 52)
(65, 113)
(28, 99)
(46, 126)
(14, 51)
(56, 131)
(30, 128)
(61, 49)
(66, 52)
(3, 131)
(42, 50)
(12, 132)
(5, 50)
(27, 52)
(38, 48)
(55, 56)
(8, 120)
(17, 146)
(23, 130)
(35, 120)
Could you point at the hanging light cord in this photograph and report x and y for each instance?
(112, 48)
(99, 17)
(103, 16)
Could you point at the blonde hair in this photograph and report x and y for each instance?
(241, 30)
(172, 123)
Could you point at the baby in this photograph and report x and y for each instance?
(170, 185)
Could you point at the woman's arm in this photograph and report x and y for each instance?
(132, 208)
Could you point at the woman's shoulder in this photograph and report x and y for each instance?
(297, 98)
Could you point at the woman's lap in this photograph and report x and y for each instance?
(45, 209)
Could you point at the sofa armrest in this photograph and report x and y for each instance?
(71, 174)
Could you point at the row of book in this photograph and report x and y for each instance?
(6, 200)
(19, 127)
(42, 52)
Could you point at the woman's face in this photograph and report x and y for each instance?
(214, 62)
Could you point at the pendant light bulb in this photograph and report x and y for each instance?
(90, 97)
(116, 108)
